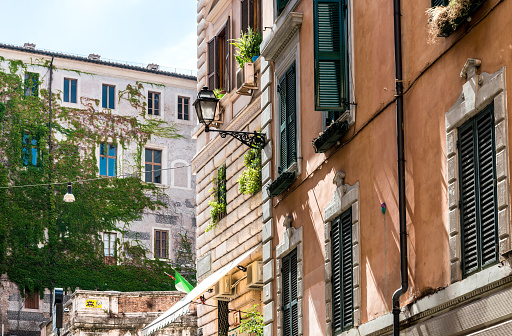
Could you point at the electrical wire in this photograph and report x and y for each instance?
(92, 179)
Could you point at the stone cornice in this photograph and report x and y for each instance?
(280, 36)
(237, 124)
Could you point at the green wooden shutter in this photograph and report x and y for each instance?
(342, 277)
(331, 55)
(291, 123)
(282, 123)
(290, 295)
(478, 209)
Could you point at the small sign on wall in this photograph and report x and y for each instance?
(89, 303)
(237, 317)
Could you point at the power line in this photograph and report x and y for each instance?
(88, 180)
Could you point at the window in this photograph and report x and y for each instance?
(32, 299)
(290, 302)
(31, 84)
(108, 96)
(281, 4)
(153, 165)
(154, 103)
(218, 60)
(221, 190)
(108, 154)
(109, 244)
(183, 108)
(161, 243)
(342, 283)
(287, 111)
(478, 210)
(435, 3)
(248, 15)
(331, 55)
(30, 150)
(223, 317)
(70, 90)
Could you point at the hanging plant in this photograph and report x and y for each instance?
(444, 20)
(218, 202)
(250, 179)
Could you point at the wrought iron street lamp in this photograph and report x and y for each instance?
(206, 108)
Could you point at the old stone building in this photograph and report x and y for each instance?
(169, 96)
(88, 313)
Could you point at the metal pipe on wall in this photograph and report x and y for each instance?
(401, 168)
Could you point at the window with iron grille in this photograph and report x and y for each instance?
(183, 108)
(109, 244)
(288, 124)
(108, 155)
(342, 276)
(153, 103)
(290, 306)
(477, 183)
(221, 190)
(435, 3)
(30, 150)
(223, 318)
(161, 244)
(153, 165)
(31, 84)
(331, 55)
(70, 90)
(108, 96)
(218, 60)
(32, 299)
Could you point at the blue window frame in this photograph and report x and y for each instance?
(70, 90)
(108, 94)
(108, 155)
(30, 151)
(31, 84)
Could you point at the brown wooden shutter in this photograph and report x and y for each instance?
(227, 47)
(212, 67)
(244, 11)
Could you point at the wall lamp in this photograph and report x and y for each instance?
(241, 268)
(69, 197)
(206, 108)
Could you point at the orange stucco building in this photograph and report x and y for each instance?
(329, 208)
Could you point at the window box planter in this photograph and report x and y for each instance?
(281, 183)
(446, 19)
(329, 137)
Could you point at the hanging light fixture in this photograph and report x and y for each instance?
(206, 107)
(69, 197)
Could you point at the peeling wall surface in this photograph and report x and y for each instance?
(177, 184)
(120, 314)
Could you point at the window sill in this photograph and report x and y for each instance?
(330, 136)
(283, 181)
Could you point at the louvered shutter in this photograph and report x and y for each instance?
(290, 295)
(331, 55)
(212, 66)
(342, 277)
(226, 69)
(244, 11)
(478, 209)
(282, 123)
(291, 132)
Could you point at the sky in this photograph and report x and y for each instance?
(141, 31)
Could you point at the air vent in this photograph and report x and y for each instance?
(152, 66)
(94, 57)
(222, 290)
(30, 46)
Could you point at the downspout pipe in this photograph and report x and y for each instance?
(401, 169)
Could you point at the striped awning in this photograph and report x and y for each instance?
(182, 307)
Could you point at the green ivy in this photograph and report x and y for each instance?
(218, 203)
(250, 179)
(46, 243)
(252, 322)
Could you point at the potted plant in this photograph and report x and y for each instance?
(248, 46)
(219, 93)
(444, 20)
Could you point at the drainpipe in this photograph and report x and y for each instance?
(401, 169)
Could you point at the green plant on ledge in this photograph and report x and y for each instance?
(443, 20)
(250, 180)
(247, 45)
(252, 322)
(218, 204)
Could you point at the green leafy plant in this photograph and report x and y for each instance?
(218, 203)
(219, 93)
(252, 322)
(250, 179)
(38, 231)
(247, 45)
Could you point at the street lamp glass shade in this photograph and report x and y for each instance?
(206, 106)
(69, 197)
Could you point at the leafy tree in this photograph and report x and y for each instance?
(44, 242)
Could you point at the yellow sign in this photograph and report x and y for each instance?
(92, 304)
